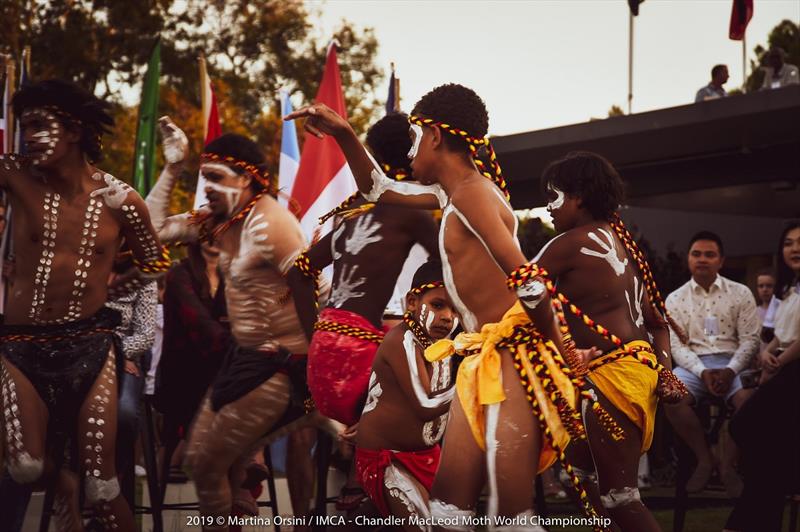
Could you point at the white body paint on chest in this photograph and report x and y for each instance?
(375, 391)
(432, 431)
(635, 307)
(609, 250)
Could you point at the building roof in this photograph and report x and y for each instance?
(739, 154)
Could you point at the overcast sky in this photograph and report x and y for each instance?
(540, 64)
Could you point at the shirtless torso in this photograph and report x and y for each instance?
(408, 399)
(66, 238)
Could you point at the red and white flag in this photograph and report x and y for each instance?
(211, 127)
(323, 179)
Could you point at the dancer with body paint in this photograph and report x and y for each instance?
(603, 278)
(262, 380)
(60, 364)
(368, 246)
(503, 405)
(406, 413)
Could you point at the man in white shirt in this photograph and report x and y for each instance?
(720, 319)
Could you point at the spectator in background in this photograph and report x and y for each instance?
(196, 337)
(714, 90)
(765, 288)
(777, 73)
(720, 319)
(767, 428)
(136, 333)
(767, 303)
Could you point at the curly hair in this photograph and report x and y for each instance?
(429, 272)
(588, 177)
(75, 107)
(243, 149)
(457, 106)
(389, 141)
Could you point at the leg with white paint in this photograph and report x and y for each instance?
(219, 439)
(97, 435)
(513, 443)
(25, 425)
(405, 496)
(617, 465)
(461, 472)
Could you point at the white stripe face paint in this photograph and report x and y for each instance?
(558, 202)
(427, 316)
(455, 326)
(231, 194)
(417, 131)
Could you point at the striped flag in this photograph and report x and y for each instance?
(290, 152)
(144, 158)
(323, 179)
(211, 126)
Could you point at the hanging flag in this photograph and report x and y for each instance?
(634, 5)
(323, 179)
(290, 154)
(211, 126)
(741, 14)
(144, 158)
(393, 99)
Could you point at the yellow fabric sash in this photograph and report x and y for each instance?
(479, 376)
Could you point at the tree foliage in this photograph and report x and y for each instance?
(252, 48)
(785, 35)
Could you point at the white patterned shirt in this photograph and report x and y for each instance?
(723, 320)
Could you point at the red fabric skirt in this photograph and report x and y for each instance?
(339, 367)
(371, 465)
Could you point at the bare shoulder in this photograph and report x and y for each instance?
(391, 347)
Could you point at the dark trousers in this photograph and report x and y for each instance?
(767, 430)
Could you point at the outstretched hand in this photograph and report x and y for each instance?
(176, 145)
(321, 120)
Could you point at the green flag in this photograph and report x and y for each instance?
(144, 160)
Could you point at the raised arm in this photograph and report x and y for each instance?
(179, 227)
(373, 184)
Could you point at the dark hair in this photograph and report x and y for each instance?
(430, 272)
(76, 108)
(717, 69)
(708, 235)
(766, 271)
(588, 177)
(457, 106)
(786, 277)
(243, 149)
(389, 141)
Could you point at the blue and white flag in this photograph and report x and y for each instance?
(290, 152)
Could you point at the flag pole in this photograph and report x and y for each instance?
(204, 103)
(630, 61)
(744, 58)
